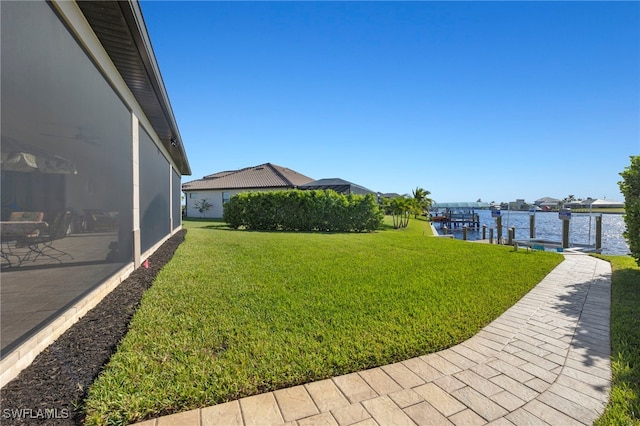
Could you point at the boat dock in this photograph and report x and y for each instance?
(458, 220)
(450, 220)
(457, 215)
(464, 218)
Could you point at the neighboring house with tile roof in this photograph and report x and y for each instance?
(547, 203)
(219, 187)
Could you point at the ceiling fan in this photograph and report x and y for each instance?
(80, 136)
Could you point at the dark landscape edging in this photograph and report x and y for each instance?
(52, 389)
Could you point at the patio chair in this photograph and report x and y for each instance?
(42, 245)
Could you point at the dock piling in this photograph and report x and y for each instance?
(565, 234)
(532, 225)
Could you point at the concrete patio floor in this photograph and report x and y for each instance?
(545, 361)
(36, 292)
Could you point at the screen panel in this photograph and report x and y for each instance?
(66, 168)
(155, 193)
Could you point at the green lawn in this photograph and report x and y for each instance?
(237, 313)
(624, 402)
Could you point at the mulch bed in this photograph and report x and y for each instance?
(56, 383)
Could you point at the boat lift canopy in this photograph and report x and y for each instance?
(462, 205)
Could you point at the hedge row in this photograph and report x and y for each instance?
(297, 210)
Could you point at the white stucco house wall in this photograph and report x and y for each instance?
(219, 187)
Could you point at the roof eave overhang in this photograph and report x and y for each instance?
(138, 67)
(242, 188)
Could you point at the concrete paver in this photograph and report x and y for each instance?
(441, 364)
(545, 361)
(439, 399)
(502, 421)
(459, 360)
(324, 419)
(422, 369)
(188, 417)
(467, 418)
(379, 381)
(507, 400)
(368, 422)
(479, 403)
(354, 387)
(260, 410)
(326, 395)
(449, 383)
(510, 370)
(351, 415)
(406, 398)
(567, 407)
(424, 414)
(537, 384)
(549, 414)
(523, 417)
(402, 375)
(514, 387)
(295, 403)
(228, 414)
(478, 383)
(485, 371)
(386, 412)
(469, 353)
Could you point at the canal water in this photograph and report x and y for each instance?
(548, 227)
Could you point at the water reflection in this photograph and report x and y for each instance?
(549, 227)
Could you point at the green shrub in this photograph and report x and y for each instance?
(630, 188)
(297, 210)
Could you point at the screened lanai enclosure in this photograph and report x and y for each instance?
(91, 161)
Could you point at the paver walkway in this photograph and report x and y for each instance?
(544, 361)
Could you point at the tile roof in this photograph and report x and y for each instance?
(265, 175)
(546, 200)
(338, 185)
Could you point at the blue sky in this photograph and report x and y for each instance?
(469, 100)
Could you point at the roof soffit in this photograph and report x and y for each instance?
(119, 26)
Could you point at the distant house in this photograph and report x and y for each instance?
(590, 203)
(578, 204)
(547, 203)
(603, 203)
(339, 185)
(219, 187)
(382, 195)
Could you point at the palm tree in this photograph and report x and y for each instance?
(422, 201)
(399, 208)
